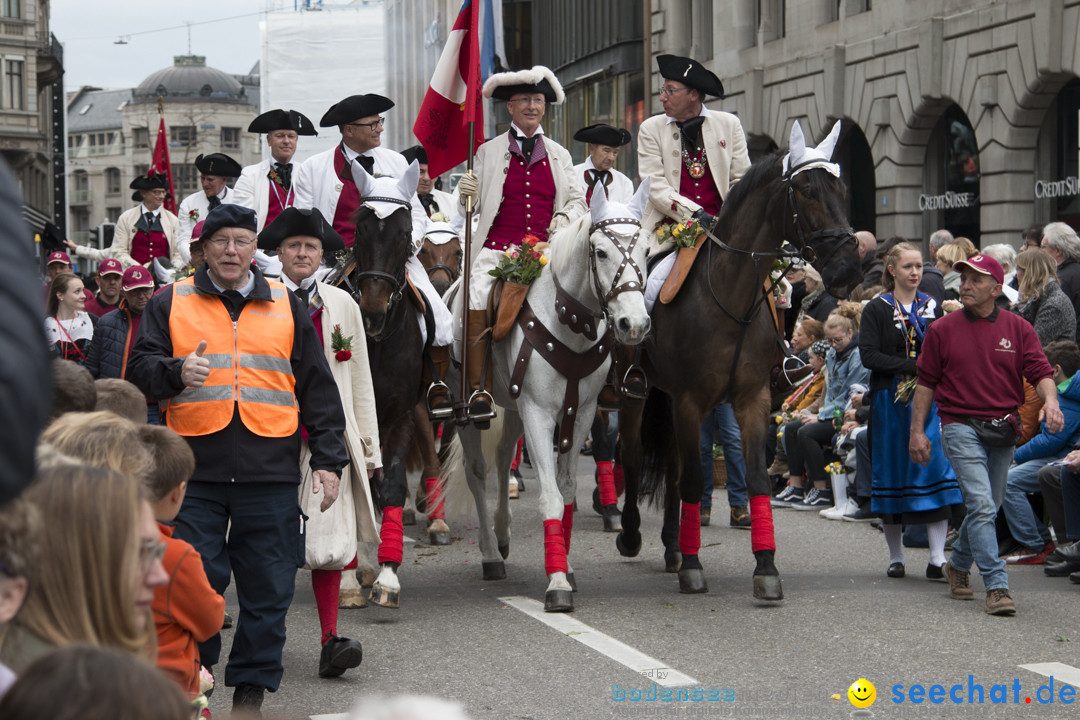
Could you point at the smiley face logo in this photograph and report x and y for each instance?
(862, 693)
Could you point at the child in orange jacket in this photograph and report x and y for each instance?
(186, 610)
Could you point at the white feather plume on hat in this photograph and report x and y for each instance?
(533, 76)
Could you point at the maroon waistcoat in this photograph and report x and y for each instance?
(348, 201)
(146, 246)
(528, 203)
(702, 191)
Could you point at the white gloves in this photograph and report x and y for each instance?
(469, 186)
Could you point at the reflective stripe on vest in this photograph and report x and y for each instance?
(250, 365)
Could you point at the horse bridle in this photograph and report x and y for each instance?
(398, 283)
(837, 236)
(627, 261)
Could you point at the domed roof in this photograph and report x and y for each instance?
(190, 80)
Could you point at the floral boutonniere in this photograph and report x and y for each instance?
(437, 217)
(194, 214)
(341, 344)
(275, 176)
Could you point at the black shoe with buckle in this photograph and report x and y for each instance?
(338, 655)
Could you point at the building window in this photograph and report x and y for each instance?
(185, 180)
(111, 214)
(16, 99)
(141, 137)
(182, 135)
(230, 138)
(13, 8)
(112, 180)
(141, 170)
(769, 19)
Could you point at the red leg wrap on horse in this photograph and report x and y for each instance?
(327, 587)
(352, 564)
(761, 527)
(620, 481)
(567, 525)
(392, 536)
(606, 480)
(516, 462)
(690, 529)
(554, 548)
(436, 507)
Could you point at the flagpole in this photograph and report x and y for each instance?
(460, 414)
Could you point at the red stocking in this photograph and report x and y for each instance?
(327, 587)
(554, 548)
(391, 537)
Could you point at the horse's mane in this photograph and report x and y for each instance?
(759, 173)
(563, 244)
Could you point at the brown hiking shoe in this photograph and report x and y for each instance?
(999, 602)
(959, 583)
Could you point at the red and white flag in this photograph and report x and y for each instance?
(453, 100)
(160, 166)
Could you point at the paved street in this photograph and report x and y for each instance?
(843, 619)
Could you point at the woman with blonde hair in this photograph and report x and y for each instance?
(99, 567)
(818, 303)
(947, 257)
(102, 439)
(1042, 301)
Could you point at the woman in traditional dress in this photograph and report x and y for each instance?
(69, 328)
(893, 327)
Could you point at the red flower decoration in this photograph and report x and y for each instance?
(343, 355)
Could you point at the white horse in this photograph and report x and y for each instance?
(550, 369)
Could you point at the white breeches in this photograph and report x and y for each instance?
(444, 321)
(480, 283)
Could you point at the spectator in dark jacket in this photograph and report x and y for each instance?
(1042, 302)
(1062, 243)
(818, 303)
(933, 283)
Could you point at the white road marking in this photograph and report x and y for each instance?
(639, 662)
(335, 716)
(1061, 672)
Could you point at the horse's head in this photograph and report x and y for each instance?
(441, 255)
(383, 243)
(617, 263)
(817, 220)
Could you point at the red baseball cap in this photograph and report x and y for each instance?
(985, 265)
(59, 256)
(110, 266)
(196, 232)
(136, 276)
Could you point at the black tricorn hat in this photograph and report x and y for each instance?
(292, 222)
(355, 107)
(218, 164)
(282, 120)
(417, 153)
(147, 182)
(601, 134)
(690, 73)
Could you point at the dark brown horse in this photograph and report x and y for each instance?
(708, 347)
(383, 244)
(441, 256)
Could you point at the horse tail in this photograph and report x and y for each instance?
(657, 447)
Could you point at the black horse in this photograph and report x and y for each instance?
(376, 278)
(715, 342)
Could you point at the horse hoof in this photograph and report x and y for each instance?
(559, 601)
(628, 548)
(504, 550)
(768, 587)
(612, 521)
(672, 561)
(597, 508)
(494, 570)
(385, 597)
(570, 579)
(366, 577)
(439, 537)
(352, 599)
(408, 516)
(692, 580)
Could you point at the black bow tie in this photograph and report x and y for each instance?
(284, 171)
(149, 217)
(594, 176)
(691, 132)
(527, 145)
(214, 202)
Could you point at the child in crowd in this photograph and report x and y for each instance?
(20, 524)
(122, 398)
(186, 609)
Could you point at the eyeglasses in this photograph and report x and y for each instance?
(238, 243)
(149, 553)
(836, 342)
(371, 125)
(526, 102)
(669, 91)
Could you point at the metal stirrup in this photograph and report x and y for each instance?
(444, 413)
(481, 394)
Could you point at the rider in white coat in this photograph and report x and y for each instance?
(215, 169)
(267, 187)
(604, 142)
(325, 181)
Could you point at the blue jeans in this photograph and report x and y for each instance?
(720, 423)
(982, 472)
(1024, 526)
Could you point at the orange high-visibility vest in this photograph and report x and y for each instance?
(249, 363)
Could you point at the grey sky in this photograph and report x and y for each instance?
(89, 28)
